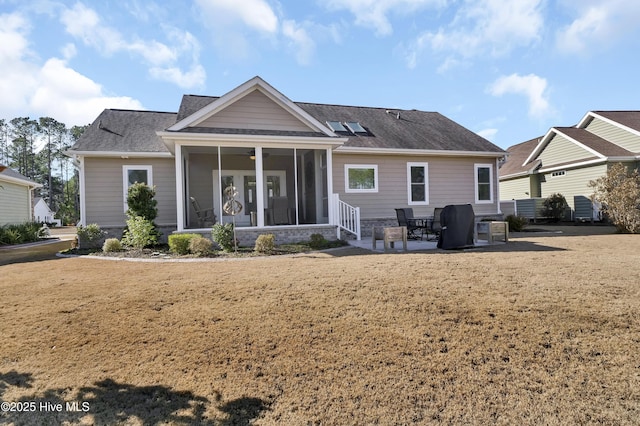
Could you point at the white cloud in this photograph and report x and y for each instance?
(599, 24)
(255, 14)
(300, 41)
(483, 27)
(531, 86)
(488, 134)
(85, 24)
(71, 97)
(52, 89)
(374, 14)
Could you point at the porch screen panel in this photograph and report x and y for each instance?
(313, 197)
(278, 167)
(238, 170)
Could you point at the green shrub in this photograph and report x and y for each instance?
(179, 243)
(10, 235)
(141, 202)
(317, 241)
(517, 223)
(265, 243)
(200, 245)
(554, 206)
(223, 235)
(140, 233)
(90, 236)
(111, 245)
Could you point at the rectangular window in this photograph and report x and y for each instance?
(559, 173)
(360, 178)
(133, 174)
(484, 183)
(418, 183)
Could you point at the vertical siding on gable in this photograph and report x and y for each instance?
(561, 150)
(614, 134)
(104, 196)
(14, 203)
(574, 182)
(451, 181)
(255, 111)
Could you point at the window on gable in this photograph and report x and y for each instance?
(418, 183)
(133, 174)
(484, 183)
(361, 178)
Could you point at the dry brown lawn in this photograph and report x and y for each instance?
(544, 330)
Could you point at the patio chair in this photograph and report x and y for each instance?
(206, 217)
(436, 226)
(279, 212)
(406, 218)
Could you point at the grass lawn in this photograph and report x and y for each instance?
(544, 330)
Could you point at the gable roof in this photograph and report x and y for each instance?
(599, 146)
(7, 174)
(516, 155)
(628, 119)
(124, 131)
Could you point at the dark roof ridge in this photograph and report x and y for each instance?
(364, 107)
(140, 110)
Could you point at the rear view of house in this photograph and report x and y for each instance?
(567, 158)
(297, 168)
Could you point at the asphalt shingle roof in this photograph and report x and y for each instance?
(135, 131)
(517, 154)
(631, 119)
(9, 172)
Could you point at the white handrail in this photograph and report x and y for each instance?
(347, 217)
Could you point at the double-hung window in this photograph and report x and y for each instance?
(484, 183)
(418, 183)
(360, 178)
(133, 174)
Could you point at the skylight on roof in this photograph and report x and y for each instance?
(336, 126)
(355, 127)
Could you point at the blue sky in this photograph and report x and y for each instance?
(508, 70)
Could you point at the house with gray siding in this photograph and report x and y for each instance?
(565, 159)
(296, 168)
(16, 197)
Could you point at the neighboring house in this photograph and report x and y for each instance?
(567, 158)
(42, 212)
(15, 197)
(298, 168)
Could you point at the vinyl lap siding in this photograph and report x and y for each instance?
(560, 150)
(254, 111)
(515, 189)
(104, 197)
(14, 203)
(614, 134)
(574, 182)
(451, 181)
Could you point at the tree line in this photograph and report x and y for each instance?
(35, 149)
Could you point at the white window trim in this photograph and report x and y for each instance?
(360, 166)
(426, 184)
(125, 179)
(475, 179)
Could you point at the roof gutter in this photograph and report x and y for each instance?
(430, 152)
(117, 154)
(19, 181)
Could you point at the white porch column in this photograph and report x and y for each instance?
(83, 194)
(179, 189)
(331, 198)
(497, 178)
(259, 187)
